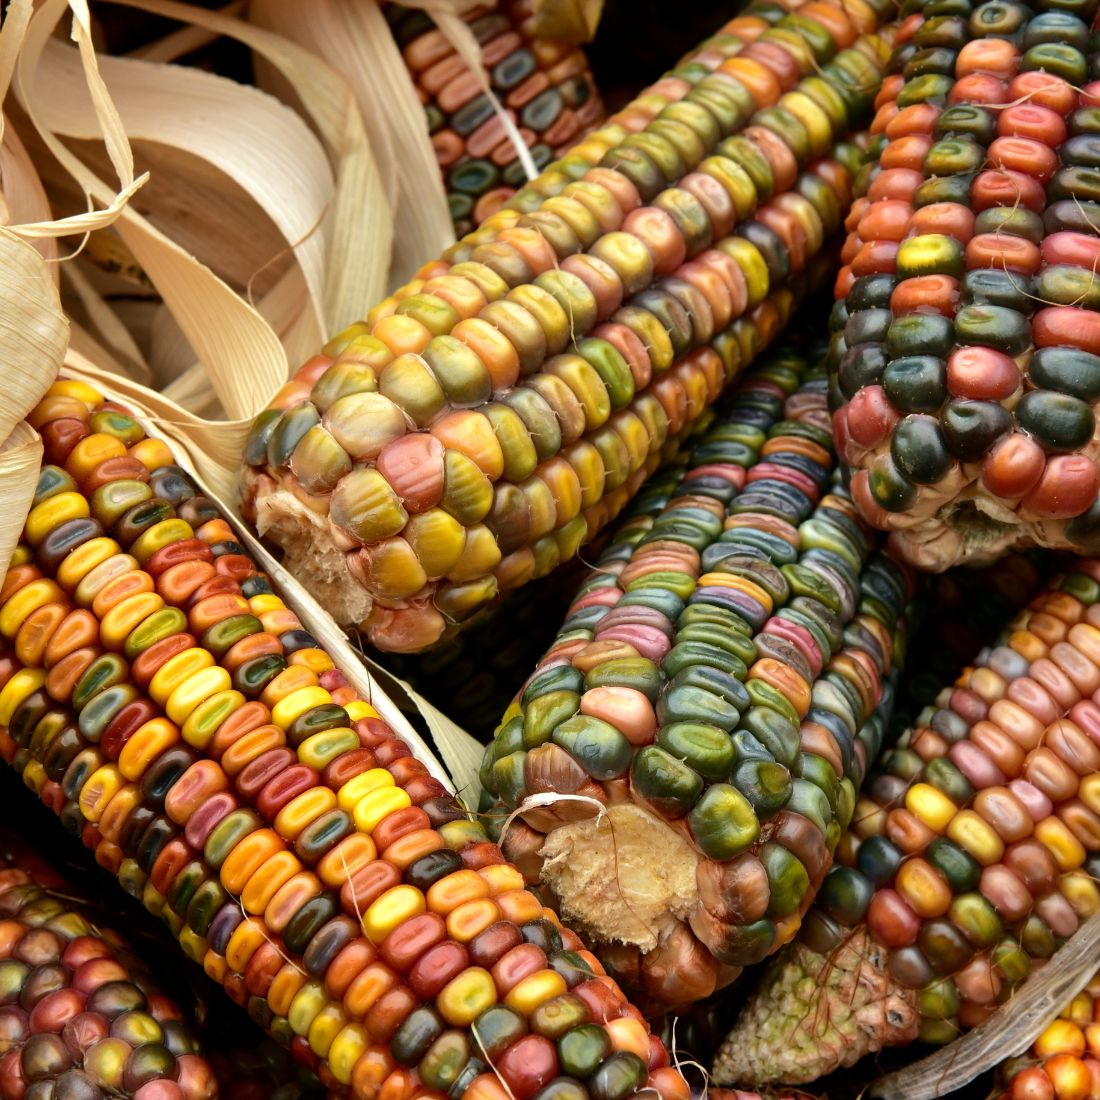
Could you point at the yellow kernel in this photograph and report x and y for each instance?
(354, 790)
(196, 689)
(263, 602)
(21, 555)
(1079, 1010)
(393, 908)
(379, 804)
(70, 387)
(22, 685)
(101, 786)
(302, 810)
(976, 836)
(525, 996)
(118, 623)
(1067, 850)
(247, 938)
(176, 671)
(1060, 1037)
(327, 1024)
(346, 1049)
(316, 659)
(145, 745)
(930, 806)
(152, 454)
(308, 1002)
(52, 512)
(34, 776)
(1089, 791)
(514, 711)
(466, 997)
(25, 602)
(359, 708)
(205, 720)
(297, 703)
(160, 535)
(1082, 893)
(502, 878)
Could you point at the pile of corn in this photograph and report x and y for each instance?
(715, 693)
(167, 705)
(544, 85)
(493, 415)
(79, 1018)
(972, 855)
(965, 358)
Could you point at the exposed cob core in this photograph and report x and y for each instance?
(1064, 1061)
(163, 700)
(966, 364)
(80, 1018)
(687, 752)
(493, 415)
(971, 858)
(545, 86)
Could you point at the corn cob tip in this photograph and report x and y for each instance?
(817, 1013)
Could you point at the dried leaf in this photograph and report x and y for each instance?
(33, 336)
(573, 21)
(355, 39)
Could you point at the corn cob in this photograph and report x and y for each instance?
(545, 86)
(503, 440)
(1064, 1061)
(966, 333)
(971, 857)
(684, 699)
(79, 1016)
(168, 706)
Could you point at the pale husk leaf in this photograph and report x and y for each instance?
(33, 336)
(354, 38)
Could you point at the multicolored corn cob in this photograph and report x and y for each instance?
(966, 358)
(685, 756)
(167, 705)
(1064, 1061)
(79, 1016)
(545, 87)
(492, 416)
(972, 856)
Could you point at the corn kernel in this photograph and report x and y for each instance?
(176, 671)
(297, 703)
(466, 997)
(247, 938)
(455, 889)
(354, 790)
(526, 995)
(372, 808)
(22, 685)
(1067, 850)
(976, 836)
(930, 806)
(196, 689)
(358, 708)
(53, 512)
(327, 1024)
(394, 907)
(308, 1003)
(346, 1049)
(145, 745)
(25, 602)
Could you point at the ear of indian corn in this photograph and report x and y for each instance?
(544, 85)
(80, 1018)
(971, 857)
(164, 701)
(684, 757)
(1064, 1061)
(491, 416)
(965, 363)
